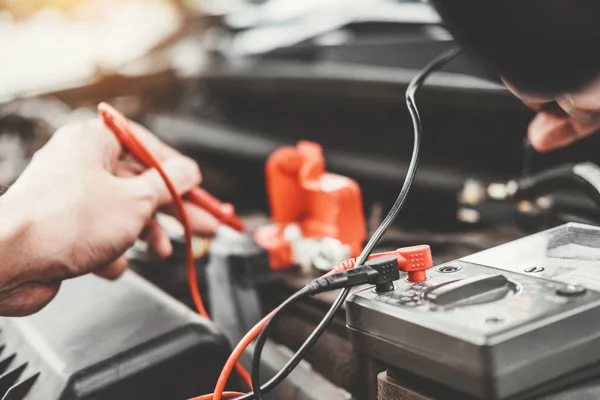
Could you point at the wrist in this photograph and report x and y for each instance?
(15, 242)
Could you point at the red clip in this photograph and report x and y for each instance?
(302, 192)
(415, 260)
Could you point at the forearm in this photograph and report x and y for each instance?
(23, 290)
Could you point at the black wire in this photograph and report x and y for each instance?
(262, 339)
(299, 355)
(414, 85)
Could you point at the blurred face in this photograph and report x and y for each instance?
(545, 52)
(544, 48)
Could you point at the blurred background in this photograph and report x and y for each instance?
(229, 81)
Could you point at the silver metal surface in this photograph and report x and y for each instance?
(569, 254)
(513, 317)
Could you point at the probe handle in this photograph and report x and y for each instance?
(120, 126)
(224, 212)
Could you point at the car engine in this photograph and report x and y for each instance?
(298, 119)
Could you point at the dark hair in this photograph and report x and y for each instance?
(544, 47)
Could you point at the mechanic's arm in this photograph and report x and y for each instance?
(78, 207)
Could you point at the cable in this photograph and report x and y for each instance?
(250, 336)
(122, 130)
(293, 362)
(298, 356)
(381, 271)
(262, 338)
(411, 91)
(583, 177)
(226, 395)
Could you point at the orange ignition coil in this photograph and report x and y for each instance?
(320, 204)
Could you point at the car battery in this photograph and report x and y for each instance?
(494, 324)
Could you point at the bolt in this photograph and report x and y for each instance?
(384, 287)
(493, 320)
(571, 291)
(533, 270)
(448, 269)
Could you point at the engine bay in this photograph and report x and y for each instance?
(308, 140)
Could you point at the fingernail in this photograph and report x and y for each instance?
(183, 172)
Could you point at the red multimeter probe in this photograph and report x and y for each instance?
(414, 260)
(225, 213)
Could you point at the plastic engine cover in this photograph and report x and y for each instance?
(110, 340)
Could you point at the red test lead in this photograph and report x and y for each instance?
(223, 212)
(120, 126)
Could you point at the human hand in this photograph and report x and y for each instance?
(562, 120)
(79, 206)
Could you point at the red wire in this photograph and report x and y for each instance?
(227, 395)
(122, 130)
(250, 336)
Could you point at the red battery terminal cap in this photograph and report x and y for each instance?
(415, 261)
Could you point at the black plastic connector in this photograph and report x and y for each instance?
(388, 272)
(584, 177)
(380, 272)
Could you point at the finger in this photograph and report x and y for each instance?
(201, 222)
(549, 131)
(159, 149)
(91, 142)
(183, 173)
(155, 146)
(114, 270)
(158, 240)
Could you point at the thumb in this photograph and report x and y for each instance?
(183, 173)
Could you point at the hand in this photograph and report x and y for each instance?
(78, 207)
(572, 117)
